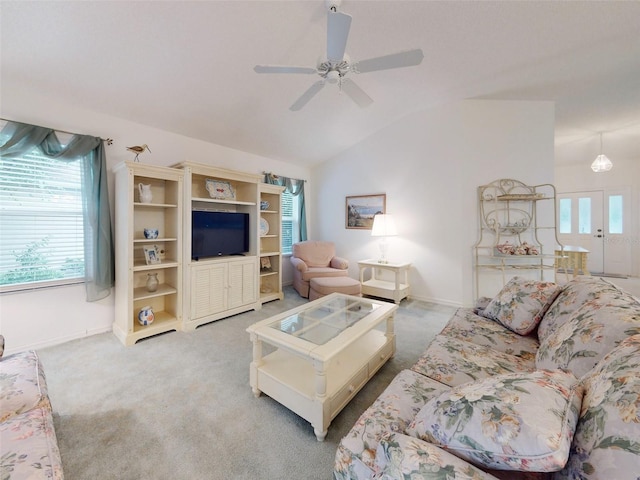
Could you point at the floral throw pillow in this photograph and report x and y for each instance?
(591, 332)
(521, 304)
(607, 439)
(513, 421)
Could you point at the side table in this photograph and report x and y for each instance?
(576, 259)
(392, 290)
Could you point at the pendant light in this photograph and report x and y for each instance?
(601, 163)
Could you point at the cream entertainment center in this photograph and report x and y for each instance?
(211, 254)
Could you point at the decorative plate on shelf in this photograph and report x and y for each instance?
(264, 227)
(220, 190)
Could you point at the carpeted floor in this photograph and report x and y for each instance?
(179, 405)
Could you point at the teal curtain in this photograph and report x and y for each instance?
(98, 239)
(295, 188)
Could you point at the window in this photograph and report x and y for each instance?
(615, 214)
(41, 222)
(565, 215)
(290, 222)
(584, 215)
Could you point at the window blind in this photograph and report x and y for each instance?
(287, 222)
(41, 221)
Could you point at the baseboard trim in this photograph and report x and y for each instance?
(56, 341)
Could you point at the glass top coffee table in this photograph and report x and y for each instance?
(324, 352)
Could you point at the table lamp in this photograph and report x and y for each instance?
(383, 227)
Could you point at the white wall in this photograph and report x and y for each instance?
(38, 318)
(429, 165)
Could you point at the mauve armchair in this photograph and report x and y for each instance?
(315, 259)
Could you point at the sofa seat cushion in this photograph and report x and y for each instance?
(607, 440)
(521, 304)
(453, 362)
(516, 421)
(573, 295)
(466, 325)
(314, 272)
(592, 331)
(392, 411)
(22, 384)
(401, 456)
(29, 446)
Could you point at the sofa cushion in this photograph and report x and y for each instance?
(607, 440)
(392, 411)
(521, 304)
(591, 332)
(453, 362)
(401, 456)
(574, 294)
(466, 325)
(22, 384)
(29, 446)
(521, 421)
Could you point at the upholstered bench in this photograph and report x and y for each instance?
(321, 286)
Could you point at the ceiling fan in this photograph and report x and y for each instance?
(337, 65)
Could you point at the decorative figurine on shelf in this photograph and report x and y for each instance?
(138, 149)
(152, 282)
(145, 316)
(145, 193)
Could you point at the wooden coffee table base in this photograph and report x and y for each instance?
(319, 382)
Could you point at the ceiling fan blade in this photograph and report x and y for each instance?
(338, 25)
(356, 93)
(306, 96)
(283, 69)
(394, 60)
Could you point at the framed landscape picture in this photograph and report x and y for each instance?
(361, 209)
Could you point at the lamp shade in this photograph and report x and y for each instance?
(383, 226)
(601, 164)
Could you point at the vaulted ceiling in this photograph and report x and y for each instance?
(187, 67)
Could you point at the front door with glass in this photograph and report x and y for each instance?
(597, 221)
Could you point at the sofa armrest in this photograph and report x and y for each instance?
(339, 263)
(299, 264)
(399, 456)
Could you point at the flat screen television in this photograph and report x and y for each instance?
(214, 234)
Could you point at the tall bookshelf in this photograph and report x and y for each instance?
(270, 230)
(132, 216)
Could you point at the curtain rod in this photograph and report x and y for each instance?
(108, 140)
(271, 173)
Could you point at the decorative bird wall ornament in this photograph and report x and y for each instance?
(138, 149)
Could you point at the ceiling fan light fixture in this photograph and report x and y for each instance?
(333, 76)
(602, 162)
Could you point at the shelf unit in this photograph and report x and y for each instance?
(513, 213)
(271, 243)
(219, 287)
(132, 216)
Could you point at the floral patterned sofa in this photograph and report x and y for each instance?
(28, 445)
(540, 382)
